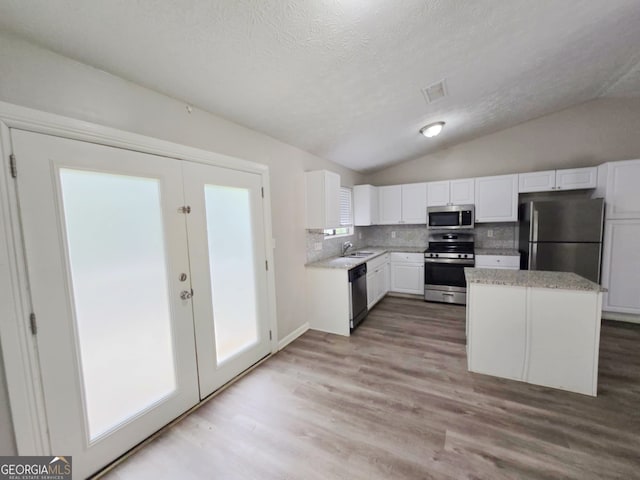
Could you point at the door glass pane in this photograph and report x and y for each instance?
(232, 269)
(120, 288)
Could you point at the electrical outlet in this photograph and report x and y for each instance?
(393, 234)
(490, 233)
(359, 235)
(318, 246)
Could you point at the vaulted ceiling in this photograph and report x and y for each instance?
(342, 78)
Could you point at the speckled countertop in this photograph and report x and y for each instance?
(503, 252)
(350, 262)
(531, 278)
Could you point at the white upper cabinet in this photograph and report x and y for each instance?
(365, 205)
(537, 181)
(322, 199)
(462, 191)
(549, 180)
(402, 204)
(497, 199)
(414, 203)
(576, 178)
(622, 191)
(438, 193)
(454, 192)
(390, 204)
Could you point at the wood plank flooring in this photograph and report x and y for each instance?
(395, 401)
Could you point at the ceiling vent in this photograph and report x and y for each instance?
(435, 92)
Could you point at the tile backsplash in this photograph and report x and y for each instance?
(487, 235)
(329, 247)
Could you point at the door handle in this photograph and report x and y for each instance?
(186, 295)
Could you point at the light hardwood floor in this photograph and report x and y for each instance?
(395, 401)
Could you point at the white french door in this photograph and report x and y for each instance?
(111, 279)
(227, 248)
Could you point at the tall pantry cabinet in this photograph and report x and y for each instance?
(618, 183)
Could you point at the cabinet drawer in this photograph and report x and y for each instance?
(407, 257)
(372, 265)
(497, 261)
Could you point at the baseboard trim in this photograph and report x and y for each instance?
(621, 317)
(292, 336)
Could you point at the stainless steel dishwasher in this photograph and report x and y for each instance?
(357, 295)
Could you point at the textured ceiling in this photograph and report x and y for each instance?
(342, 78)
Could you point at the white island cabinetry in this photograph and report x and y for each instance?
(536, 327)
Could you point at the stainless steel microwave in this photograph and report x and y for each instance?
(451, 217)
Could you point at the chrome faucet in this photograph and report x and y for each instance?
(346, 246)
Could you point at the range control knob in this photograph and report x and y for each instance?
(436, 254)
(460, 256)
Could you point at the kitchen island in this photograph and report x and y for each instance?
(533, 326)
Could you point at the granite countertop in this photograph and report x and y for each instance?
(350, 262)
(503, 252)
(531, 278)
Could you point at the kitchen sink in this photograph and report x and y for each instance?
(360, 254)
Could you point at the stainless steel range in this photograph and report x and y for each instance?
(444, 262)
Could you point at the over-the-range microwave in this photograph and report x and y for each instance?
(451, 217)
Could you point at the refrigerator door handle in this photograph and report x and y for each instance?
(533, 253)
(534, 225)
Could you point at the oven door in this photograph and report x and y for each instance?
(447, 275)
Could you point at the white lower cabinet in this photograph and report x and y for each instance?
(621, 266)
(407, 273)
(377, 279)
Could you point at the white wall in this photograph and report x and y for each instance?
(37, 78)
(588, 134)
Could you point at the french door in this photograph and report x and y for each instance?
(227, 250)
(142, 308)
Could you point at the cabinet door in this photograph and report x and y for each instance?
(537, 181)
(414, 203)
(390, 202)
(438, 194)
(497, 316)
(497, 199)
(372, 289)
(576, 178)
(332, 199)
(621, 266)
(322, 199)
(623, 192)
(462, 191)
(365, 205)
(407, 278)
(563, 337)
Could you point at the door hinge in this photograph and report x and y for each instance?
(266, 264)
(33, 324)
(185, 209)
(12, 166)
(262, 190)
(270, 335)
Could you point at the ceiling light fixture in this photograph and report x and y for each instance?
(432, 129)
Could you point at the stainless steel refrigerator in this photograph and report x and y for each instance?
(562, 236)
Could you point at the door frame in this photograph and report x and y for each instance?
(19, 345)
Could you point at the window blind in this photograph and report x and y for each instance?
(346, 207)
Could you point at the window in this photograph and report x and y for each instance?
(346, 215)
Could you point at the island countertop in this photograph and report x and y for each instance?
(531, 278)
